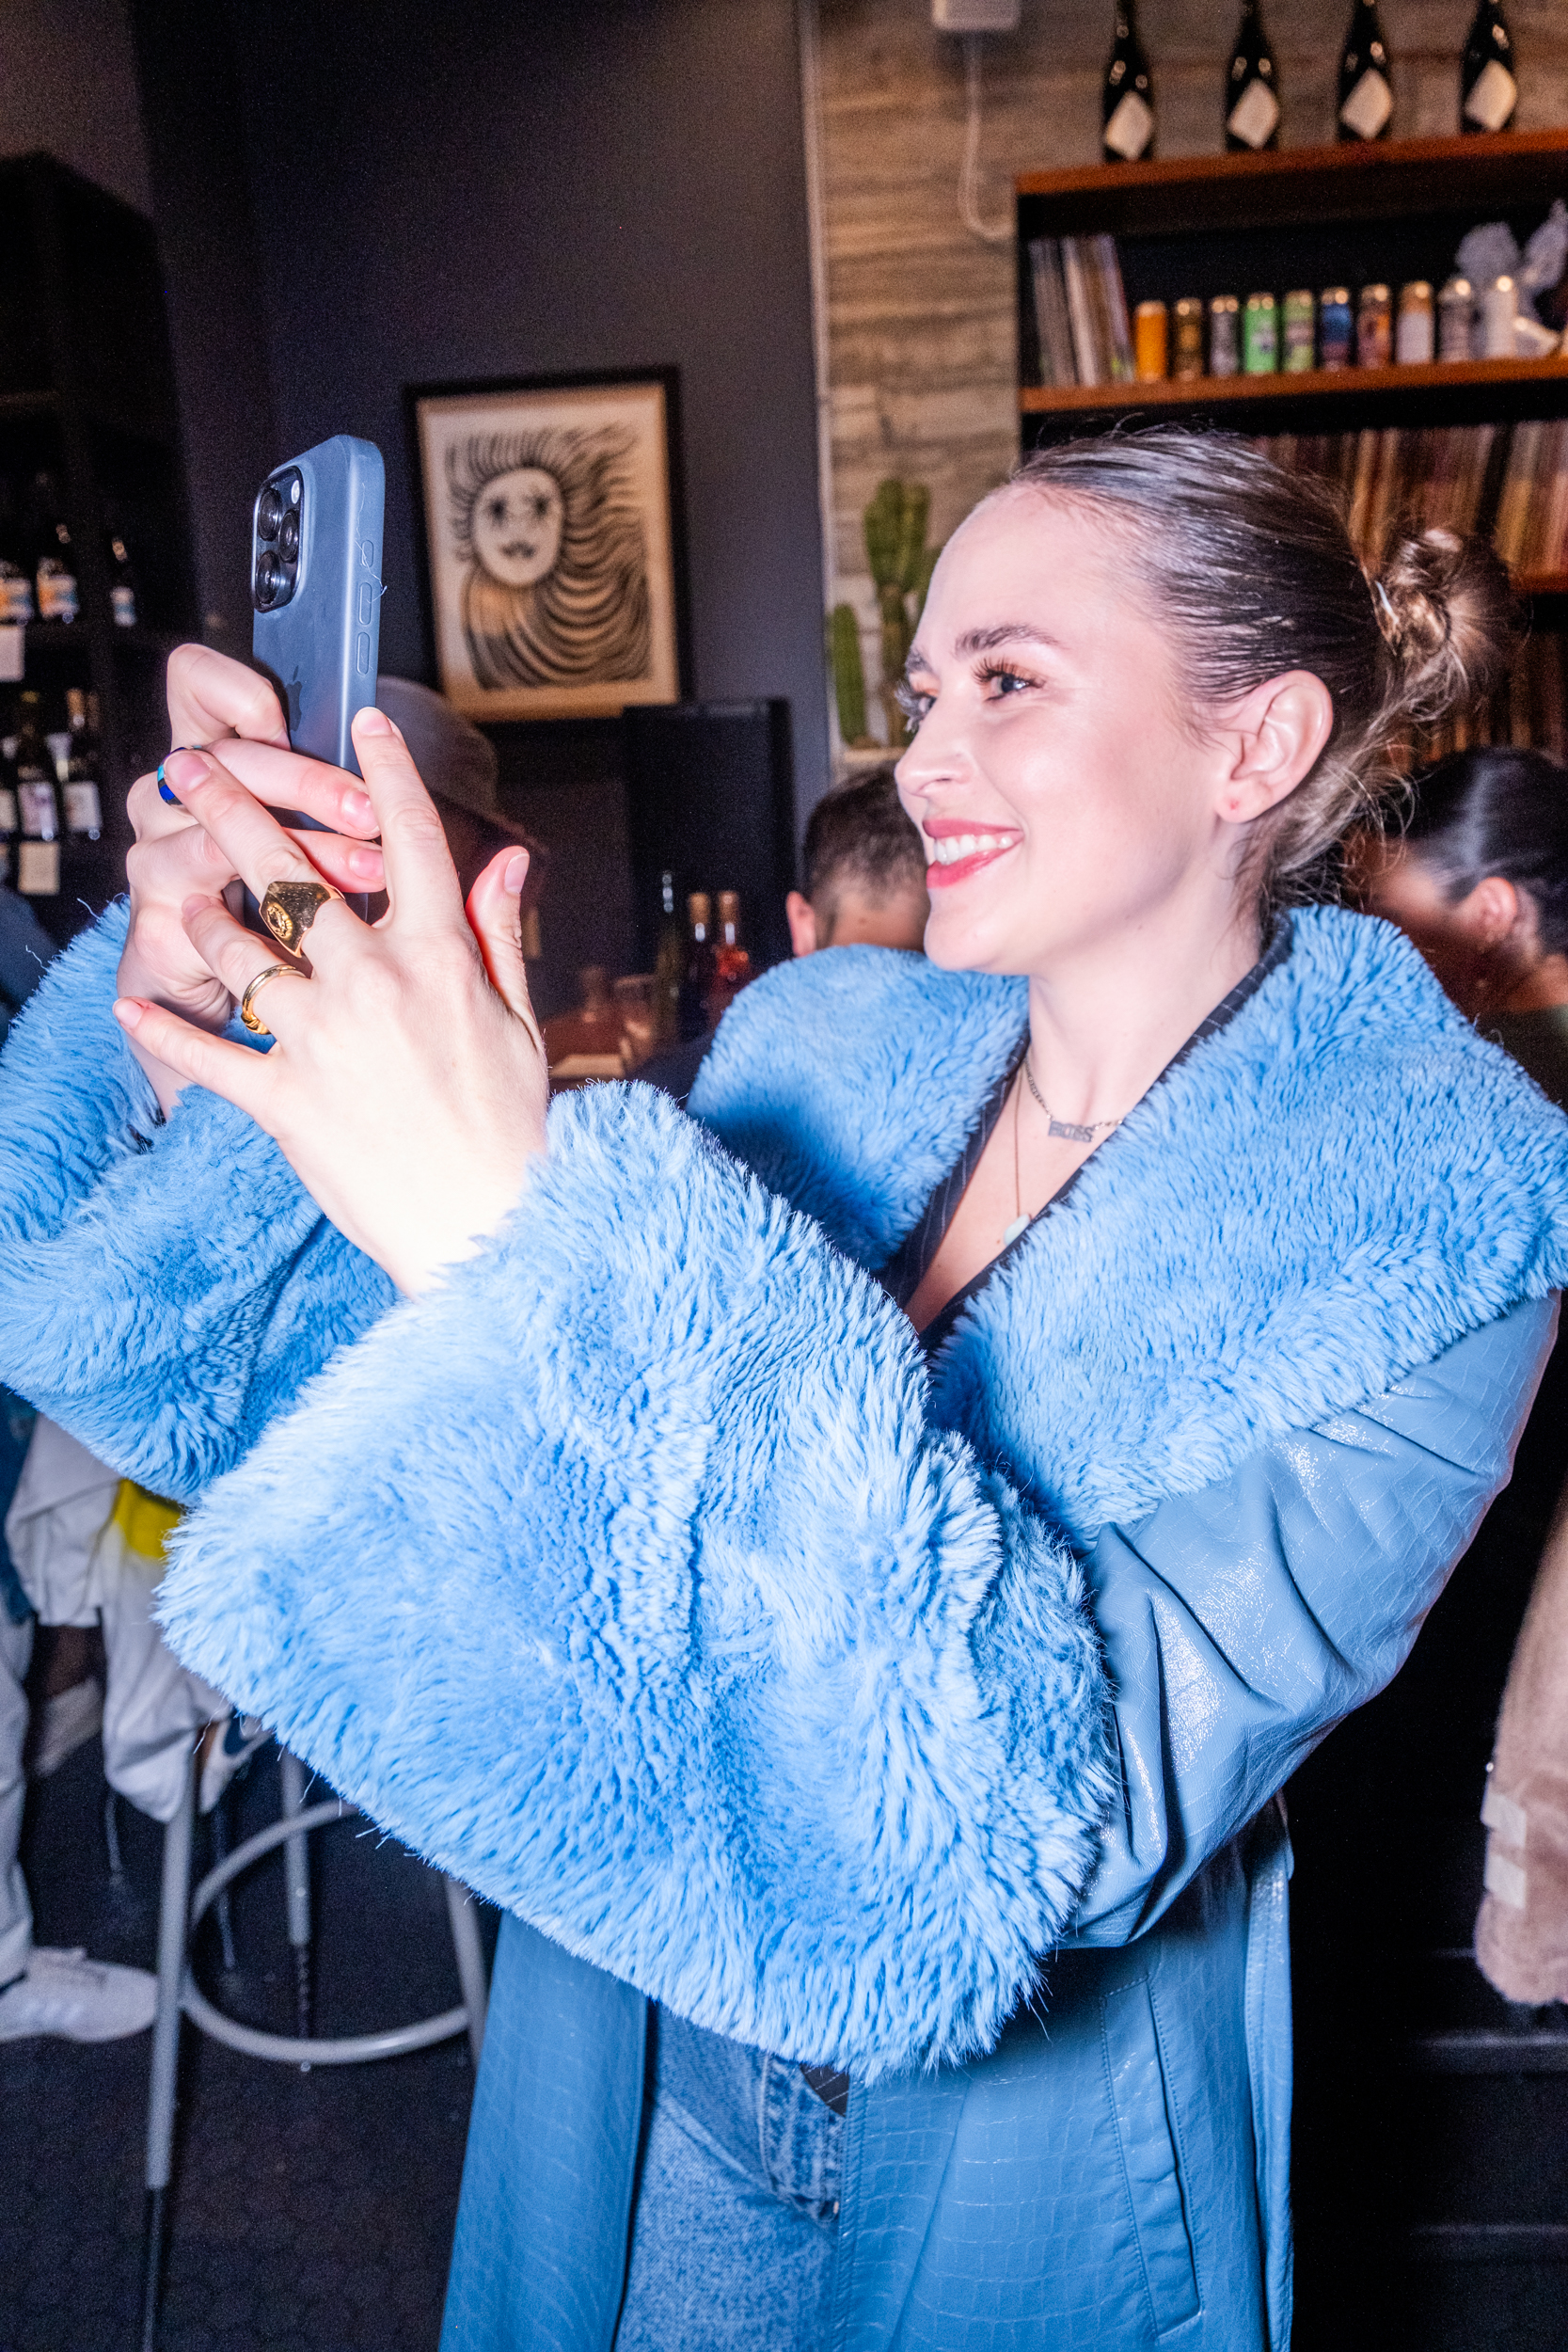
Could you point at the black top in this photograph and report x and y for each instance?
(907, 1269)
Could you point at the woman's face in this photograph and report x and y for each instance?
(1480, 946)
(517, 526)
(1060, 798)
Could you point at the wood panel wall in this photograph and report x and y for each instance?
(920, 341)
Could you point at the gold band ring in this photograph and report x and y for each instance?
(290, 908)
(256, 1027)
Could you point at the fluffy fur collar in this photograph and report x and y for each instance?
(1317, 1201)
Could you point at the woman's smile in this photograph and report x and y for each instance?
(957, 848)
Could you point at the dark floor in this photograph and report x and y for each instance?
(311, 2213)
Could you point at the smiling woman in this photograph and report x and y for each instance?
(854, 1596)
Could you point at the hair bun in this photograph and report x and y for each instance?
(1447, 613)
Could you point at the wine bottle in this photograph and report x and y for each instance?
(59, 598)
(122, 584)
(84, 801)
(697, 979)
(669, 966)
(39, 851)
(1366, 77)
(11, 821)
(1127, 101)
(1251, 86)
(16, 579)
(732, 964)
(1488, 92)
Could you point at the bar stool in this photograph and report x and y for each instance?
(180, 1913)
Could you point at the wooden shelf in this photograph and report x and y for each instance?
(1241, 392)
(1359, 181)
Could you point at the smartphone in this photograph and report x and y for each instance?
(316, 585)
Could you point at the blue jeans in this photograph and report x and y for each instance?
(737, 2219)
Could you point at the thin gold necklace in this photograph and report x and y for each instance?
(1062, 1127)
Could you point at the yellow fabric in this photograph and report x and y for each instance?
(145, 1521)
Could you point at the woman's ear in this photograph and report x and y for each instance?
(1273, 737)
(1490, 913)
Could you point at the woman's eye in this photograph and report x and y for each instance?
(1003, 682)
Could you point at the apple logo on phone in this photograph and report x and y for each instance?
(293, 689)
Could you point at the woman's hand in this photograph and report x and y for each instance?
(407, 1084)
(212, 699)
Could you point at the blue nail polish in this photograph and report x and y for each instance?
(164, 792)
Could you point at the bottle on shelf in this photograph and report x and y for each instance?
(1127, 100)
(1251, 88)
(697, 978)
(38, 862)
(16, 579)
(59, 597)
(122, 583)
(11, 821)
(84, 799)
(1366, 77)
(669, 967)
(1488, 90)
(732, 963)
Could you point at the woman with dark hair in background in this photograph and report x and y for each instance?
(854, 1595)
(1479, 879)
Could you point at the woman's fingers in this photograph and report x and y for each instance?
(289, 780)
(198, 1058)
(256, 847)
(211, 695)
(233, 954)
(421, 876)
(493, 916)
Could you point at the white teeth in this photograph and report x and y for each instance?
(953, 847)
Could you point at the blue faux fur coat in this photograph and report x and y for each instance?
(645, 1577)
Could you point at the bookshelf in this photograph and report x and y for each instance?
(88, 391)
(1318, 216)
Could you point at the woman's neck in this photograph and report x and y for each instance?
(1542, 990)
(1105, 1022)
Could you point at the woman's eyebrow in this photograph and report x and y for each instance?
(985, 641)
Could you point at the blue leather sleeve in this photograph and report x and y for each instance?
(1243, 1622)
(164, 1288)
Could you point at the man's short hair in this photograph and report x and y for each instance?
(858, 838)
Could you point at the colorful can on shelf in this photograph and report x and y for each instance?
(1150, 332)
(1260, 335)
(1416, 333)
(1301, 332)
(1335, 329)
(1455, 319)
(1187, 359)
(1499, 308)
(1374, 328)
(1225, 336)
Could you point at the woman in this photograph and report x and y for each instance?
(1479, 879)
(909, 1713)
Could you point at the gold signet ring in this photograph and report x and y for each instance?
(290, 908)
(252, 1020)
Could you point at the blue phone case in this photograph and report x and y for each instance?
(319, 644)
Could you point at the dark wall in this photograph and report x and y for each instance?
(445, 192)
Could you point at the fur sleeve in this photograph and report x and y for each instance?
(625, 1576)
(164, 1289)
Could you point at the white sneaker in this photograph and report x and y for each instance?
(81, 1999)
(227, 1746)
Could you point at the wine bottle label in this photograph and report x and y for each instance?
(84, 811)
(1369, 105)
(16, 599)
(8, 809)
(57, 599)
(1130, 127)
(37, 869)
(39, 816)
(122, 600)
(1253, 118)
(1490, 97)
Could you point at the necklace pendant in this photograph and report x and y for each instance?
(1068, 1133)
(1010, 1233)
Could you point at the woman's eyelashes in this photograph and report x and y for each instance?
(911, 702)
(996, 681)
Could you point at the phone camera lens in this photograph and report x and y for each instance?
(271, 579)
(269, 511)
(287, 537)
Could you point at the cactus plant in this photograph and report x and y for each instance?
(901, 566)
(844, 656)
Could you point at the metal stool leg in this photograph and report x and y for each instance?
(111, 1835)
(219, 1819)
(172, 1914)
(296, 1867)
(471, 1964)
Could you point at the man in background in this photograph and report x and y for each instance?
(865, 887)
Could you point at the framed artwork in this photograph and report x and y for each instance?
(554, 563)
